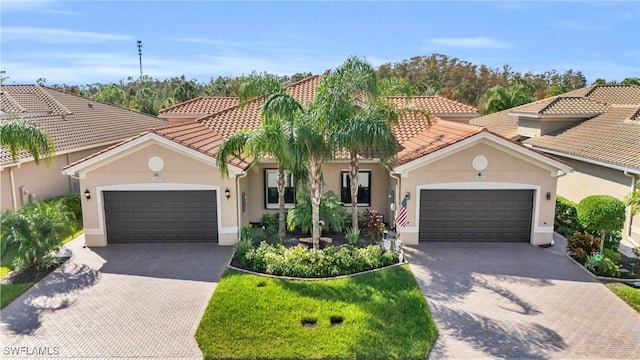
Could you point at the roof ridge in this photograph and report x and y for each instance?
(13, 101)
(41, 91)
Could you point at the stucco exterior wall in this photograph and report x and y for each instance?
(590, 179)
(331, 171)
(132, 172)
(505, 170)
(38, 181)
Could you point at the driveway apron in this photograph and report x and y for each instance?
(129, 300)
(514, 300)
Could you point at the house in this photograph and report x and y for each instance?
(596, 129)
(78, 126)
(462, 182)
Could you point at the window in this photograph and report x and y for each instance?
(364, 188)
(271, 189)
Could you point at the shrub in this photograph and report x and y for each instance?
(270, 221)
(36, 231)
(581, 245)
(601, 213)
(566, 217)
(601, 265)
(332, 213)
(374, 224)
(72, 202)
(352, 236)
(299, 261)
(255, 235)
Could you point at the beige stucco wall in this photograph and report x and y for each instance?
(130, 171)
(505, 170)
(331, 173)
(39, 181)
(590, 179)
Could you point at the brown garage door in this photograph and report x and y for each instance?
(161, 216)
(475, 215)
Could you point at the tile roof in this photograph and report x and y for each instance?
(200, 106)
(607, 128)
(440, 134)
(612, 138)
(72, 121)
(416, 138)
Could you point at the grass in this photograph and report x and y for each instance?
(380, 315)
(6, 261)
(629, 294)
(8, 293)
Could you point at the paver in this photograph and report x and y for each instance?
(133, 300)
(514, 300)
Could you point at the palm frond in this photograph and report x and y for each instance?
(20, 135)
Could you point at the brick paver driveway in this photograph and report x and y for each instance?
(137, 300)
(497, 300)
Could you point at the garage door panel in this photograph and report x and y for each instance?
(475, 215)
(161, 216)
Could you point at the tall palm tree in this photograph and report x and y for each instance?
(20, 135)
(363, 120)
(270, 139)
(498, 98)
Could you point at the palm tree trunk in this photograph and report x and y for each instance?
(353, 178)
(315, 192)
(280, 184)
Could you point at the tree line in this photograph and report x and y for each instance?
(489, 89)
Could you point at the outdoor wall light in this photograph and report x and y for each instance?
(227, 193)
(87, 194)
(548, 195)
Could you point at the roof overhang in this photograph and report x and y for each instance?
(82, 167)
(490, 139)
(587, 160)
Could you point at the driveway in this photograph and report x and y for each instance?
(514, 300)
(136, 300)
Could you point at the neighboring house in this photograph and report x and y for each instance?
(596, 129)
(463, 182)
(196, 108)
(78, 126)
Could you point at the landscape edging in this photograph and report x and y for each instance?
(600, 278)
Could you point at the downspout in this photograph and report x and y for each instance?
(397, 179)
(634, 179)
(12, 182)
(239, 200)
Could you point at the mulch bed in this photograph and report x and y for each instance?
(632, 264)
(32, 274)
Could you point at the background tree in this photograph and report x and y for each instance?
(145, 101)
(21, 135)
(187, 90)
(498, 98)
(631, 81)
(111, 94)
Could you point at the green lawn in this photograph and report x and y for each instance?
(8, 293)
(627, 293)
(384, 316)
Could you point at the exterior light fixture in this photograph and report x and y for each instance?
(87, 194)
(227, 193)
(548, 195)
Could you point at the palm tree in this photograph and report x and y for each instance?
(498, 98)
(270, 139)
(20, 135)
(363, 120)
(633, 199)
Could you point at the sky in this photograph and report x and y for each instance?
(86, 42)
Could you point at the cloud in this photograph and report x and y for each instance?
(572, 25)
(478, 42)
(59, 36)
(41, 6)
(209, 41)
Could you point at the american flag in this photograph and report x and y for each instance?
(401, 217)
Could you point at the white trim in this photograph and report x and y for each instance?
(489, 186)
(525, 153)
(153, 187)
(635, 230)
(146, 140)
(276, 205)
(227, 230)
(590, 161)
(408, 230)
(93, 232)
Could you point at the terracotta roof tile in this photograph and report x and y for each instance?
(613, 138)
(72, 121)
(437, 105)
(200, 106)
(500, 123)
(615, 94)
(441, 134)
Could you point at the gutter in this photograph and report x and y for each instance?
(397, 179)
(12, 182)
